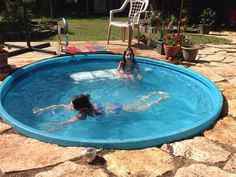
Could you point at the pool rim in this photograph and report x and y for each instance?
(122, 144)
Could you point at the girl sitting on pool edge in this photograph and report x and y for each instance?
(82, 104)
(126, 67)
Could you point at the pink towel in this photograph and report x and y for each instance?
(71, 49)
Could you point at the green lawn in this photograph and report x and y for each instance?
(201, 39)
(92, 29)
(95, 29)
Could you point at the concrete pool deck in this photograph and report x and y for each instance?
(213, 153)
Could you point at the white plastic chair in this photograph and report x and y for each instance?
(136, 8)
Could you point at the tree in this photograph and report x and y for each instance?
(14, 11)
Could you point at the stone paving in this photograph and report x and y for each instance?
(212, 154)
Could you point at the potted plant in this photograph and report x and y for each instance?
(189, 50)
(171, 44)
(142, 37)
(3, 55)
(153, 22)
(207, 19)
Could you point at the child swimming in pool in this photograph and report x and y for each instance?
(127, 66)
(82, 104)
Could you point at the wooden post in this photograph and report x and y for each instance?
(130, 33)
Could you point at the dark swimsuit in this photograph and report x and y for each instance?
(126, 71)
(114, 108)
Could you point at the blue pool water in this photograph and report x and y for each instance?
(194, 102)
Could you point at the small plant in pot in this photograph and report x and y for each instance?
(3, 56)
(189, 50)
(172, 44)
(142, 37)
(153, 23)
(207, 19)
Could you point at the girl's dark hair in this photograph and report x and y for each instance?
(124, 60)
(82, 101)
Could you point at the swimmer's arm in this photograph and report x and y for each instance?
(73, 119)
(139, 76)
(121, 72)
(38, 110)
(60, 125)
(119, 68)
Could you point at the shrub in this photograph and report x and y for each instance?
(208, 16)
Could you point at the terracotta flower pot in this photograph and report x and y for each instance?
(171, 51)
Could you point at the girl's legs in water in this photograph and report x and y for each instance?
(146, 97)
(145, 107)
(139, 104)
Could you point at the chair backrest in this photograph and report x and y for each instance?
(137, 6)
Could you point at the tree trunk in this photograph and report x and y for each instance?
(51, 10)
(87, 8)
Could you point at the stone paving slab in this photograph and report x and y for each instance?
(150, 162)
(208, 51)
(227, 71)
(224, 131)
(26, 153)
(229, 59)
(228, 90)
(220, 57)
(232, 107)
(201, 170)
(233, 81)
(201, 150)
(208, 73)
(71, 169)
(231, 165)
(213, 65)
(4, 127)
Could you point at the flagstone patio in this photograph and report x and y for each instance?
(211, 154)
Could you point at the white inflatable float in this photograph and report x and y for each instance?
(91, 75)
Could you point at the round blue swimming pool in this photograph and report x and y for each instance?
(194, 102)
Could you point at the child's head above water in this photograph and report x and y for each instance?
(128, 54)
(80, 101)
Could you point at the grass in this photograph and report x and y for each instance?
(202, 39)
(95, 29)
(91, 29)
